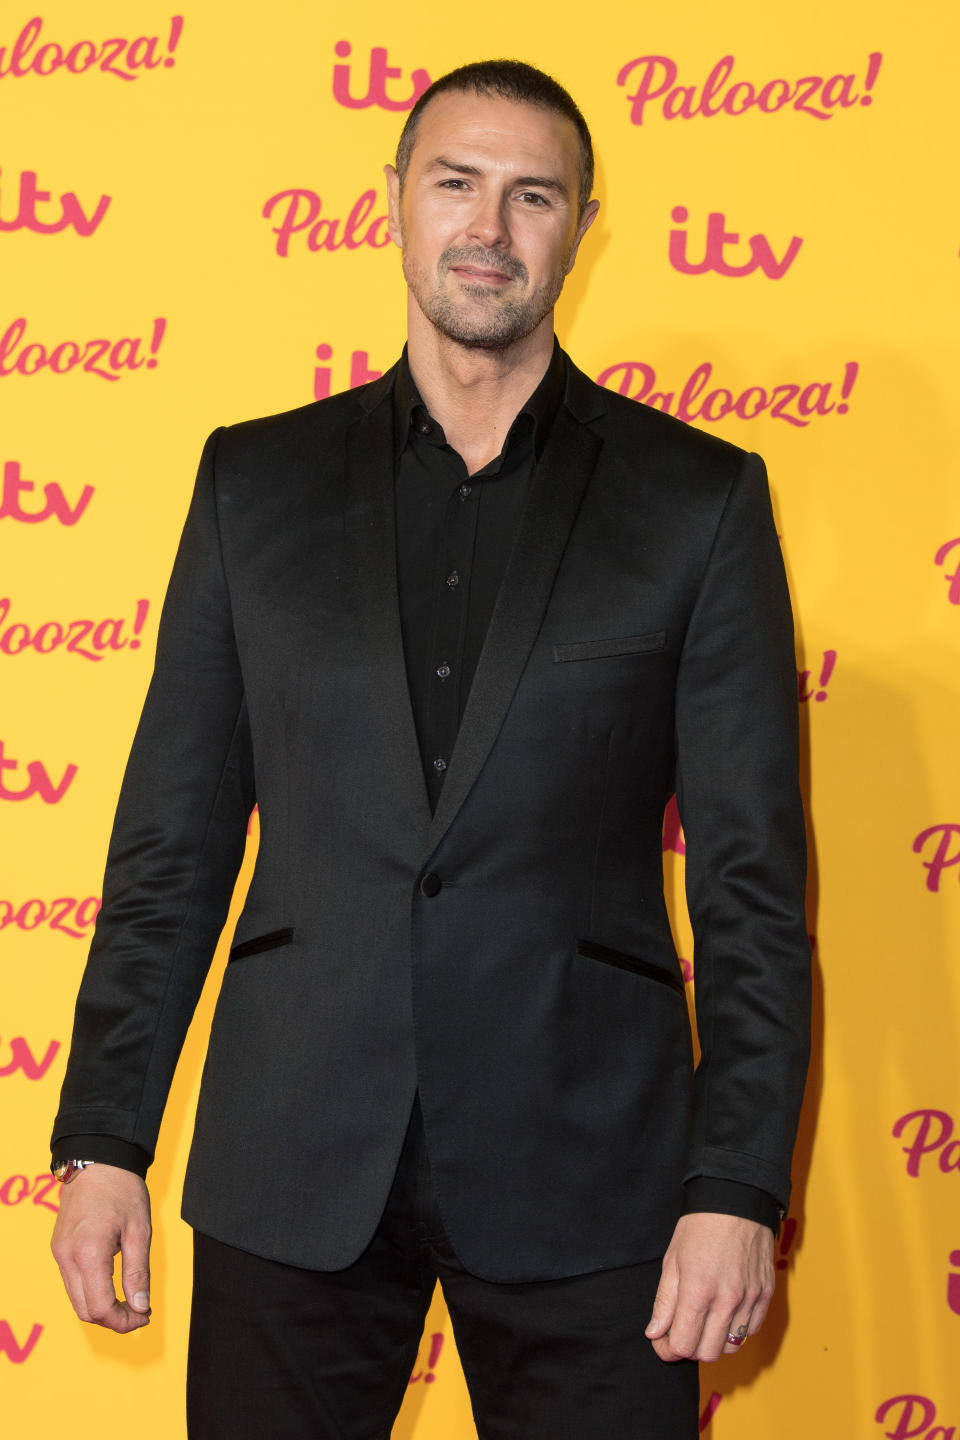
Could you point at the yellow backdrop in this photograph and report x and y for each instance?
(191, 234)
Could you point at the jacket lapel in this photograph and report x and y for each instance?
(370, 466)
(556, 490)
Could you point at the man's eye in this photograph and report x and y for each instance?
(533, 198)
(452, 184)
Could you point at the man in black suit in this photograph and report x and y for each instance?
(460, 634)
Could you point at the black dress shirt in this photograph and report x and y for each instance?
(454, 535)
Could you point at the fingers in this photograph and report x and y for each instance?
(739, 1328)
(665, 1303)
(87, 1272)
(100, 1303)
(717, 1281)
(100, 1214)
(135, 1249)
(70, 1276)
(702, 1324)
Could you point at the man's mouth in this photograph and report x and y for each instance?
(480, 274)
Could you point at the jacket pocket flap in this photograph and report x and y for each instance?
(592, 951)
(270, 941)
(604, 649)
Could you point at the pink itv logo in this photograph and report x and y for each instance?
(15, 1351)
(718, 238)
(38, 783)
(379, 73)
(55, 502)
(23, 1059)
(361, 372)
(71, 213)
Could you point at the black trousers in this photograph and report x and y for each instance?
(326, 1355)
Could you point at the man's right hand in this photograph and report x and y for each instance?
(105, 1209)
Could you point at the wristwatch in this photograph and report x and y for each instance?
(64, 1170)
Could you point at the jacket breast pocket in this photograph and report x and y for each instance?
(270, 941)
(592, 951)
(606, 649)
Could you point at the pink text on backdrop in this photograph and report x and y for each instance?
(17, 1188)
(10, 1345)
(672, 829)
(788, 1234)
(360, 372)
(817, 691)
(718, 238)
(945, 851)
(91, 639)
(912, 1417)
(796, 404)
(928, 1132)
(656, 79)
(953, 1284)
(71, 213)
(55, 502)
(709, 1410)
(378, 74)
(953, 594)
(38, 781)
(117, 55)
(108, 359)
(22, 1058)
(66, 914)
(427, 1375)
(299, 216)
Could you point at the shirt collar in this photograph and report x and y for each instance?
(540, 409)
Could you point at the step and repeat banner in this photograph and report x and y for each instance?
(192, 232)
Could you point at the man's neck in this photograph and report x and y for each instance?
(476, 394)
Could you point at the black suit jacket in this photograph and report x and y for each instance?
(509, 955)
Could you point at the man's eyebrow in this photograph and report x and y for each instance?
(542, 182)
(442, 163)
(459, 167)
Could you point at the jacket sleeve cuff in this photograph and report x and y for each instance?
(731, 1197)
(104, 1149)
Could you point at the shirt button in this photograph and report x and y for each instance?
(439, 765)
(426, 429)
(465, 491)
(430, 885)
(453, 579)
(443, 670)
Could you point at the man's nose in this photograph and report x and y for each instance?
(487, 223)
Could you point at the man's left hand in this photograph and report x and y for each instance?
(717, 1275)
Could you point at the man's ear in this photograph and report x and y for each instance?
(586, 220)
(393, 203)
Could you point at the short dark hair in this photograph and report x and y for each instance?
(511, 80)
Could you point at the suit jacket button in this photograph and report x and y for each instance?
(430, 885)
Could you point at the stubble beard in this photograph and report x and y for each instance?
(478, 317)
